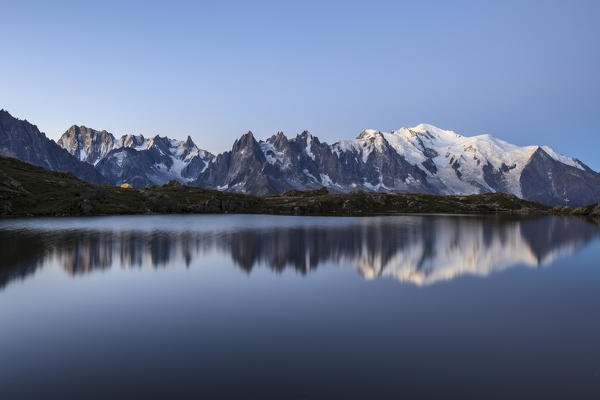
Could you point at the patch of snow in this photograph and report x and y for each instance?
(562, 159)
(206, 164)
(326, 180)
(273, 158)
(309, 153)
(177, 167)
(375, 188)
(305, 172)
(119, 156)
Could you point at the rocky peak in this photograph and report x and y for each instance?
(280, 144)
(189, 143)
(278, 140)
(247, 136)
(74, 129)
(161, 143)
(82, 134)
(160, 139)
(307, 137)
(5, 116)
(132, 140)
(550, 181)
(87, 144)
(27, 143)
(245, 142)
(368, 133)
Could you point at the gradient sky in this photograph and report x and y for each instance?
(526, 72)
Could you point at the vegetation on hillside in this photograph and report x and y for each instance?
(27, 190)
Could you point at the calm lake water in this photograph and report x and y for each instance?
(299, 307)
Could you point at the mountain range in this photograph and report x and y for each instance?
(23, 140)
(421, 159)
(135, 159)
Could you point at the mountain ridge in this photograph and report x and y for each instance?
(24, 140)
(135, 159)
(419, 159)
(422, 159)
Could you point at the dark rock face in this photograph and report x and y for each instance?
(24, 141)
(194, 167)
(86, 144)
(371, 163)
(551, 182)
(131, 141)
(240, 170)
(384, 169)
(494, 177)
(304, 162)
(126, 165)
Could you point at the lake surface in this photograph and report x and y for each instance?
(261, 307)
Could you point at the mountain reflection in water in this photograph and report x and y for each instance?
(417, 249)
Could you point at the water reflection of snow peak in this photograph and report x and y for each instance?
(418, 249)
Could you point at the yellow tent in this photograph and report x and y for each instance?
(126, 186)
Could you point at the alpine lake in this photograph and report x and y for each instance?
(255, 307)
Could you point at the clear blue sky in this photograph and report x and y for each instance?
(527, 72)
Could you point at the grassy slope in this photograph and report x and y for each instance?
(27, 190)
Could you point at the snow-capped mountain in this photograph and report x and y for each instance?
(135, 159)
(23, 140)
(305, 163)
(421, 159)
(87, 144)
